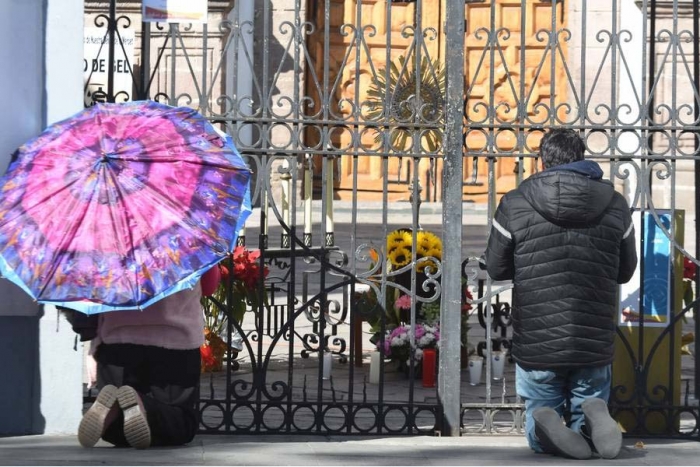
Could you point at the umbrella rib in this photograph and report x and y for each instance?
(110, 175)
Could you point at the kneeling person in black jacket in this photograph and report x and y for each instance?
(565, 238)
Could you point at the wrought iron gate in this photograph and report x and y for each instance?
(368, 124)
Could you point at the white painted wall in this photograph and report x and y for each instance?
(41, 61)
(21, 79)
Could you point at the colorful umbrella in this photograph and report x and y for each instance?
(120, 206)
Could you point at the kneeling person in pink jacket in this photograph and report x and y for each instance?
(148, 369)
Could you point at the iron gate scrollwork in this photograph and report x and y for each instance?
(330, 103)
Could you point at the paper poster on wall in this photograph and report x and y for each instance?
(96, 64)
(657, 274)
(174, 11)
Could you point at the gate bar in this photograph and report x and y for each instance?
(451, 303)
(696, 83)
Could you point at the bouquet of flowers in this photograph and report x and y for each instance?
(240, 277)
(397, 342)
(399, 249)
(244, 266)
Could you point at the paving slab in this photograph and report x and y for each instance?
(321, 450)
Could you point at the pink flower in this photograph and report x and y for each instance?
(403, 302)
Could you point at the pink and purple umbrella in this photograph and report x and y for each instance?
(119, 206)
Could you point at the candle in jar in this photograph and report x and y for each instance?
(330, 240)
(308, 190)
(374, 365)
(327, 362)
(265, 208)
(286, 211)
(429, 358)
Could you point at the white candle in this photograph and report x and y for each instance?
(330, 241)
(286, 212)
(241, 237)
(286, 189)
(327, 362)
(374, 364)
(265, 211)
(308, 190)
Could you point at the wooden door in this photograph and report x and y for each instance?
(517, 68)
(357, 50)
(357, 54)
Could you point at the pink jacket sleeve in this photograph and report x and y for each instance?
(210, 281)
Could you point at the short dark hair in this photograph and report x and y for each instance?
(561, 146)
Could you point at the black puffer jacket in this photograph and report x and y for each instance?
(566, 239)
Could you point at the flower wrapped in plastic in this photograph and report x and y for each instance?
(241, 287)
(397, 342)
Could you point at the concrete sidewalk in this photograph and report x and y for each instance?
(320, 450)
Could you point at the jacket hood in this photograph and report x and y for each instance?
(569, 194)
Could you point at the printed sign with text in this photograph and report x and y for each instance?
(174, 11)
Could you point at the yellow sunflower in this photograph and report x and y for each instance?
(398, 239)
(424, 241)
(420, 267)
(435, 252)
(422, 250)
(429, 240)
(400, 256)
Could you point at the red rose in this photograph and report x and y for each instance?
(466, 306)
(207, 355)
(689, 269)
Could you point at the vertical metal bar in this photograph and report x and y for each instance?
(145, 59)
(491, 150)
(522, 105)
(615, 43)
(415, 200)
(111, 26)
(325, 143)
(672, 162)
(696, 83)
(640, 371)
(584, 108)
(289, 425)
(266, 180)
(451, 303)
(384, 289)
(355, 337)
(172, 32)
(552, 46)
(202, 98)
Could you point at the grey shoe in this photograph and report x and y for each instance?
(602, 428)
(136, 429)
(93, 422)
(557, 438)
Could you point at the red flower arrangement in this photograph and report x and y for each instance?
(241, 273)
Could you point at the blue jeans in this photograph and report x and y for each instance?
(556, 389)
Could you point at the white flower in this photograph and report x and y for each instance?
(419, 355)
(426, 340)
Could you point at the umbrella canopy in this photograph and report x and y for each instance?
(120, 206)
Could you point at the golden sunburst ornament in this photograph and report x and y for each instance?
(406, 102)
